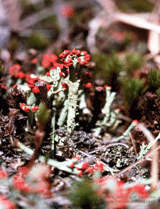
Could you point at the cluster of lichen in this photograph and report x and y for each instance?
(55, 83)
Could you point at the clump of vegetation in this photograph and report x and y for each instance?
(154, 79)
(132, 88)
(38, 41)
(108, 68)
(133, 61)
(84, 195)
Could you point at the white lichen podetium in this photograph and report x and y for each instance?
(75, 59)
(110, 117)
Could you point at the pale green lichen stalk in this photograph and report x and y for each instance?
(75, 59)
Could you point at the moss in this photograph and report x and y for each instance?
(154, 79)
(84, 195)
(132, 88)
(38, 41)
(1, 70)
(158, 92)
(133, 61)
(108, 68)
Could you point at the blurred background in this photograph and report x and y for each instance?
(98, 26)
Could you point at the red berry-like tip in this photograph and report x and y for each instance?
(89, 170)
(77, 157)
(61, 74)
(100, 166)
(80, 173)
(135, 121)
(119, 109)
(23, 170)
(85, 165)
(3, 174)
(88, 85)
(35, 90)
(71, 165)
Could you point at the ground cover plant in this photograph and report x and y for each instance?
(79, 116)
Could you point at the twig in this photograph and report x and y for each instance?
(154, 168)
(134, 147)
(154, 165)
(109, 145)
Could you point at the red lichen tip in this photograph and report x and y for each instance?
(34, 60)
(88, 74)
(61, 74)
(71, 165)
(84, 165)
(88, 85)
(34, 108)
(47, 73)
(3, 87)
(90, 169)
(67, 11)
(135, 121)
(35, 90)
(100, 166)
(80, 173)
(23, 170)
(3, 174)
(5, 203)
(77, 157)
(109, 87)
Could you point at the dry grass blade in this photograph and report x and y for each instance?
(137, 22)
(33, 19)
(154, 37)
(154, 168)
(134, 20)
(108, 5)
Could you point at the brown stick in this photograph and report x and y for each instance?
(38, 140)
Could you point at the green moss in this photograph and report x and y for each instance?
(107, 67)
(1, 70)
(38, 41)
(133, 61)
(132, 88)
(83, 195)
(158, 92)
(154, 79)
